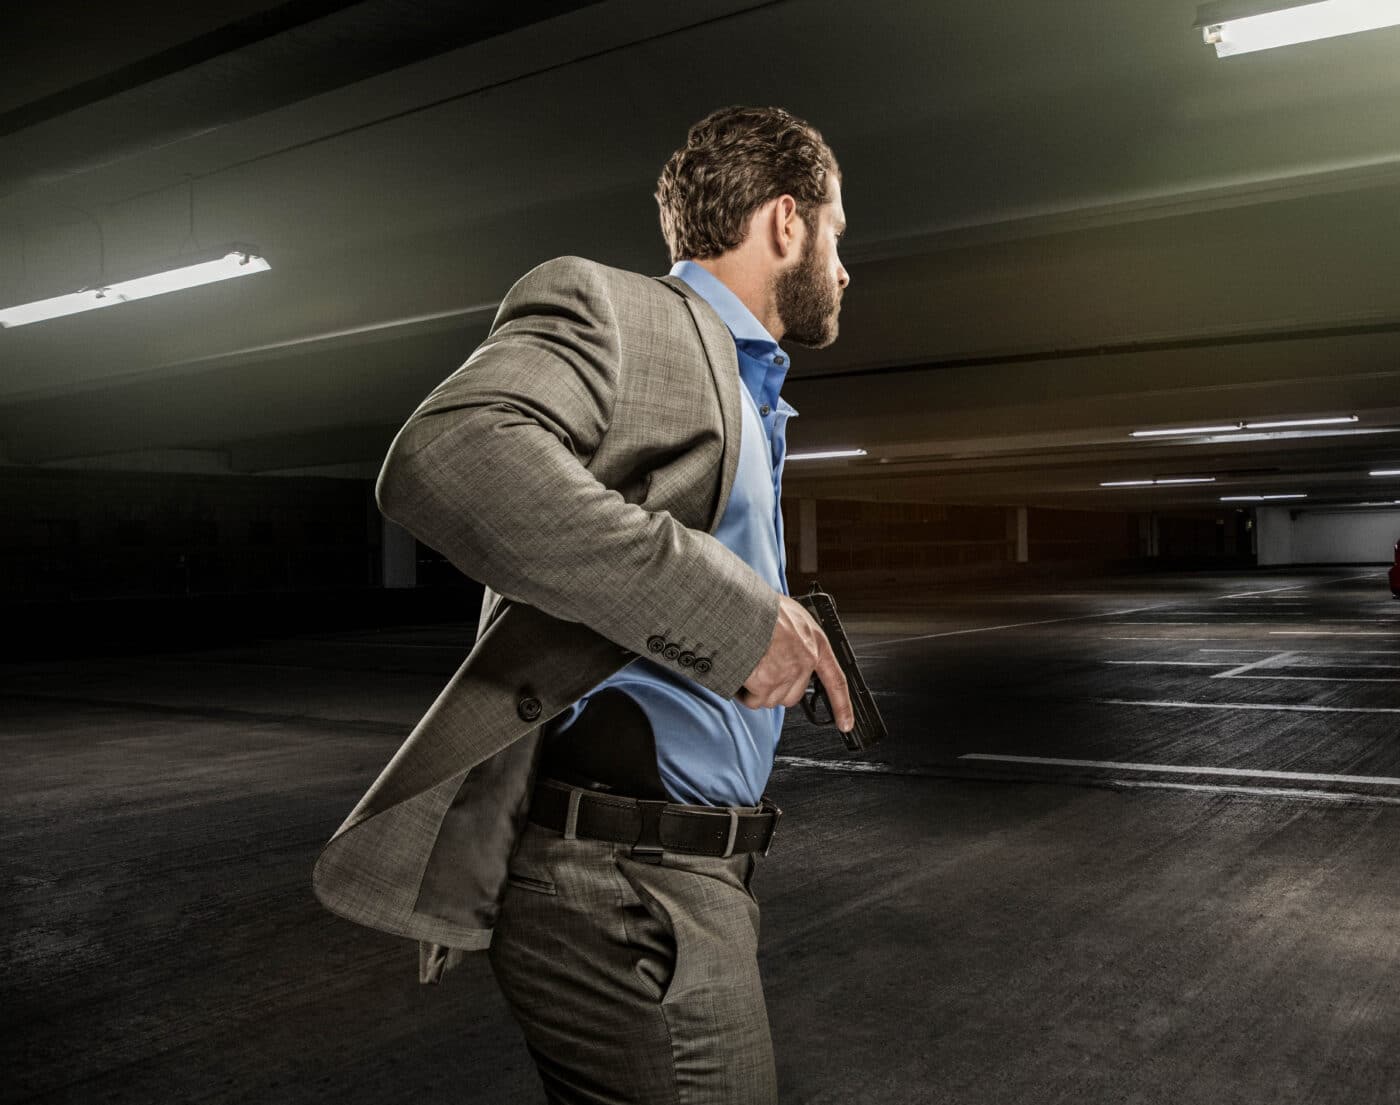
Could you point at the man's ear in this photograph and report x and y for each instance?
(786, 225)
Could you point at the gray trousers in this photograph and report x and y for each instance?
(632, 982)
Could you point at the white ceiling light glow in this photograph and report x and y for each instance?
(1159, 483)
(1244, 26)
(827, 455)
(1386, 472)
(1242, 427)
(235, 261)
(1260, 498)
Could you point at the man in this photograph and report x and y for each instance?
(585, 796)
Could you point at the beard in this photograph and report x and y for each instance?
(808, 301)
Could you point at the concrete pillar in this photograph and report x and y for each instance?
(807, 536)
(399, 553)
(1154, 535)
(1023, 535)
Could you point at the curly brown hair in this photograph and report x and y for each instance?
(733, 161)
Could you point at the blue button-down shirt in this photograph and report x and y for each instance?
(711, 750)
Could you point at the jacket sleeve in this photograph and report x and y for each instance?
(490, 471)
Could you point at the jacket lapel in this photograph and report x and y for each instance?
(718, 344)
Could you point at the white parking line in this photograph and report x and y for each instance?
(1348, 797)
(1234, 673)
(1171, 639)
(1326, 633)
(1323, 678)
(1172, 663)
(1014, 625)
(1191, 769)
(1248, 706)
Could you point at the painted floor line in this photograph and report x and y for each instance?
(857, 767)
(1338, 796)
(1173, 639)
(1247, 706)
(1012, 625)
(1326, 633)
(1323, 678)
(1191, 769)
(1237, 672)
(1270, 591)
(1172, 663)
(1310, 651)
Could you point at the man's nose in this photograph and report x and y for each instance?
(842, 276)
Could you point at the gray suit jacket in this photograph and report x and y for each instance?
(577, 464)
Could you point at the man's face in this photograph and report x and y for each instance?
(808, 294)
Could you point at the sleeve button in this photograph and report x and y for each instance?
(672, 651)
(686, 659)
(702, 665)
(656, 644)
(528, 709)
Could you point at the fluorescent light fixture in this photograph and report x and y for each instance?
(1301, 422)
(826, 455)
(1241, 427)
(236, 261)
(1386, 472)
(1191, 430)
(1260, 498)
(1243, 26)
(1159, 483)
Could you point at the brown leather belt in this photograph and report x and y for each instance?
(652, 827)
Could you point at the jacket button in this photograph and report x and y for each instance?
(528, 709)
(656, 644)
(686, 659)
(672, 651)
(702, 665)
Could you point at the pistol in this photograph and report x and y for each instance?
(869, 727)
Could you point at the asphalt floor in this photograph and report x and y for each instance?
(1131, 840)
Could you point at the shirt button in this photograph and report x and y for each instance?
(765, 409)
(779, 359)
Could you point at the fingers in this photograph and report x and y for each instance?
(838, 692)
(782, 676)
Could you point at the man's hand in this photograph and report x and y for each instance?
(798, 648)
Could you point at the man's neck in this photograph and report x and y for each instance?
(752, 289)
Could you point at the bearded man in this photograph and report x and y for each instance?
(585, 798)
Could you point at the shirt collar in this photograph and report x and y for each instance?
(741, 321)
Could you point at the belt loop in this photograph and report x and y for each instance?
(733, 832)
(571, 822)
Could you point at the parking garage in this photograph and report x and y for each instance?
(1101, 474)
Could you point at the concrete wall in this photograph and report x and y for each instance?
(1327, 537)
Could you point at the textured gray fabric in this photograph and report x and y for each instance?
(577, 464)
(635, 983)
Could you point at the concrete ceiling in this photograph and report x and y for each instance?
(1067, 221)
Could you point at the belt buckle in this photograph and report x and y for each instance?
(769, 807)
(647, 848)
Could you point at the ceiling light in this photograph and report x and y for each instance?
(235, 261)
(1386, 472)
(1259, 498)
(1243, 26)
(1300, 422)
(1158, 483)
(829, 453)
(1241, 427)
(1191, 430)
